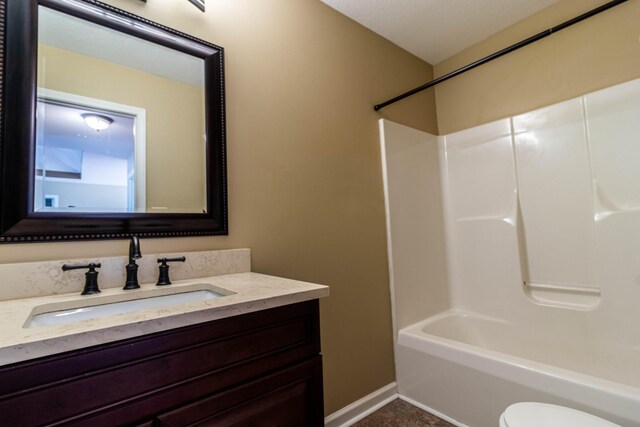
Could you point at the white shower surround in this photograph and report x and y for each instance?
(575, 342)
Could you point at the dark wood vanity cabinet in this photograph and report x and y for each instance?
(257, 369)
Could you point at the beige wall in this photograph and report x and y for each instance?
(599, 52)
(174, 114)
(305, 185)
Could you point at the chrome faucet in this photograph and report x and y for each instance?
(132, 267)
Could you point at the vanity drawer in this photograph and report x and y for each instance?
(288, 398)
(135, 379)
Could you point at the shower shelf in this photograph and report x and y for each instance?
(574, 297)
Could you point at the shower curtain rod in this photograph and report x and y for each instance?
(502, 52)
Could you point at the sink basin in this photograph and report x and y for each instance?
(149, 301)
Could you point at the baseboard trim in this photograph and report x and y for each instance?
(432, 411)
(361, 408)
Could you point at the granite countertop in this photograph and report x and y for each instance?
(243, 293)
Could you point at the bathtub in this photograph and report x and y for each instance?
(468, 368)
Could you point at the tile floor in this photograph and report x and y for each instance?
(401, 414)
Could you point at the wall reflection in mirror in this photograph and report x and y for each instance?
(120, 122)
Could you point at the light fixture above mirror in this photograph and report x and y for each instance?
(197, 3)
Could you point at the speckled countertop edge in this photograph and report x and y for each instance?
(249, 292)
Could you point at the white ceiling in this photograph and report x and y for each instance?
(434, 30)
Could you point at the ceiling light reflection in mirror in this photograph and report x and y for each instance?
(154, 97)
(97, 121)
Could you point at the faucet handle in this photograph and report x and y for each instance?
(91, 281)
(163, 276)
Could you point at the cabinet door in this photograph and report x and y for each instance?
(291, 397)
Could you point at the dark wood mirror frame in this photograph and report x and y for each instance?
(18, 53)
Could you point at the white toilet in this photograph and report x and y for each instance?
(533, 414)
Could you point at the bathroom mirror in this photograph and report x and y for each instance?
(112, 125)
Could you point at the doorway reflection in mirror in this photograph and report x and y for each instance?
(85, 159)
